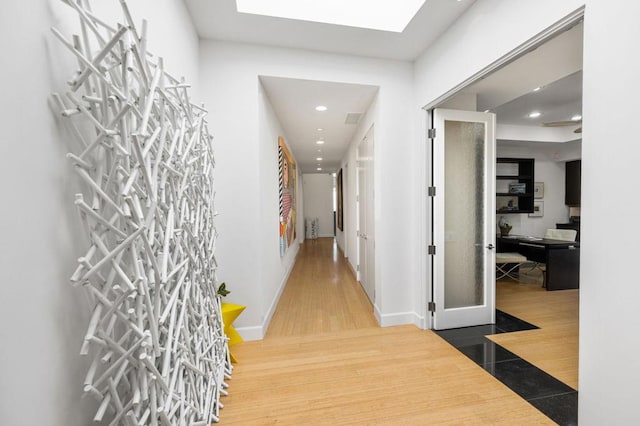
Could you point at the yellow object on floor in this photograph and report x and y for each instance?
(230, 312)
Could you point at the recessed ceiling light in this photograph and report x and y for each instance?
(319, 159)
(534, 114)
(320, 129)
(319, 168)
(576, 117)
(320, 142)
(487, 110)
(537, 88)
(389, 15)
(321, 108)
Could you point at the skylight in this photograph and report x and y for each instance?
(385, 15)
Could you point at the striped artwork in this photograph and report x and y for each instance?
(280, 187)
(286, 196)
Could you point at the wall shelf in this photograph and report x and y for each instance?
(514, 171)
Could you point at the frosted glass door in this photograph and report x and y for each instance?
(464, 218)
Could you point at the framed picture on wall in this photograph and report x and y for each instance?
(538, 209)
(287, 196)
(538, 190)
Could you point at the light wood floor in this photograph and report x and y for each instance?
(554, 347)
(321, 295)
(324, 360)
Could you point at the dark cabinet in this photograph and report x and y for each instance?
(514, 185)
(573, 173)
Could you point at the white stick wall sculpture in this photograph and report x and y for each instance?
(155, 336)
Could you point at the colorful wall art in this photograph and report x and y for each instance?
(287, 196)
(158, 352)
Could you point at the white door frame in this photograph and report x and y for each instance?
(365, 273)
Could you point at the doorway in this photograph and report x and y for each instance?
(366, 221)
(558, 362)
(501, 87)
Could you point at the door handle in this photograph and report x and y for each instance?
(490, 247)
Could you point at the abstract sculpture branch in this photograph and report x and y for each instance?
(159, 353)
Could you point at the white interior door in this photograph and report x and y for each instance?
(366, 229)
(463, 218)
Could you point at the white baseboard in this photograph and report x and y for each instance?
(258, 332)
(400, 318)
(251, 333)
(353, 270)
(377, 314)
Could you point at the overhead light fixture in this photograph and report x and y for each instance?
(576, 117)
(319, 159)
(537, 88)
(319, 169)
(319, 141)
(384, 15)
(321, 108)
(534, 114)
(320, 129)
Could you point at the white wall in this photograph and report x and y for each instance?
(608, 293)
(318, 200)
(42, 318)
(272, 269)
(229, 84)
(609, 290)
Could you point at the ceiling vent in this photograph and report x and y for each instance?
(352, 118)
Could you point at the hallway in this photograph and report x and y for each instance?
(324, 360)
(321, 295)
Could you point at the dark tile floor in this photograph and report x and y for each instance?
(555, 399)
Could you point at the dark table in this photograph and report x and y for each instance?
(561, 257)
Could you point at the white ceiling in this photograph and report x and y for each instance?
(557, 101)
(219, 20)
(556, 66)
(294, 102)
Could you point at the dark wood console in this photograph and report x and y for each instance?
(561, 257)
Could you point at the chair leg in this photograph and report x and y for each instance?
(502, 270)
(544, 278)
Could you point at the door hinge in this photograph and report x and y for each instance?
(431, 306)
(431, 133)
(431, 191)
(431, 249)
(357, 268)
